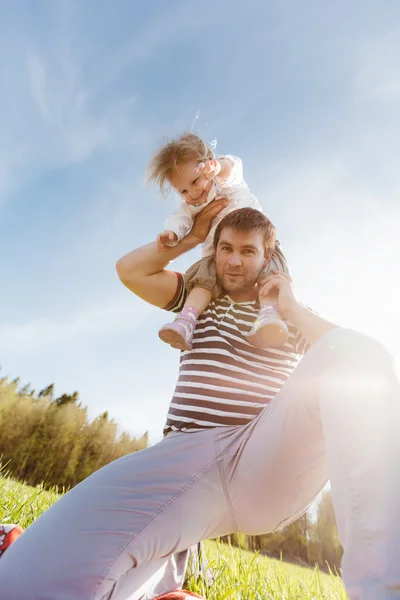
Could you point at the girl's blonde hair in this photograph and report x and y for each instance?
(164, 163)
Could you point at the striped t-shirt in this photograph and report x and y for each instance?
(224, 380)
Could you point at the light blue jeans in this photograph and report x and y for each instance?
(123, 532)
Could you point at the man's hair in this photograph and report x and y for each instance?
(248, 219)
(165, 161)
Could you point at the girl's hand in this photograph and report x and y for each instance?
(209, 169)
(166, 238)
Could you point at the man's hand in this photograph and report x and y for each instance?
(277, 289)
(202, 221)
(311, 325)
(166, 238)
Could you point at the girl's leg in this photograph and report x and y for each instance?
(201, 284)
(269, 328)
(179, 333)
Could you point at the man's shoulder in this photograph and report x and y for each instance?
(178, 300)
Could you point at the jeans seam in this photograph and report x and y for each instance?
(225, 487)
(162, 509)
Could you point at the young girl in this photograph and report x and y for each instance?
(188, 165)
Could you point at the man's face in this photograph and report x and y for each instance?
(239, 259)
(190, 185)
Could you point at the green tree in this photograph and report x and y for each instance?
(331, 550)
(52, 441)
(47, 392)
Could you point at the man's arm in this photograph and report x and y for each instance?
(143, 270)
(311, 325)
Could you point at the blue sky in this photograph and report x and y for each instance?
(306, 93)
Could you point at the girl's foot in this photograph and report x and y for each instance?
(268, 329)
(179, 334)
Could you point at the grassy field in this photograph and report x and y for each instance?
(239, 575)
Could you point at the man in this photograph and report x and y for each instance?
(252, 438)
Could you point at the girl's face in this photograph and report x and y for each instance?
(191, 186)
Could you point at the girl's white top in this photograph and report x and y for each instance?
(237, 194)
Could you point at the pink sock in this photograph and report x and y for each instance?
(268, 309)
(189, 313)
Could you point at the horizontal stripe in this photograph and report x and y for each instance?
(209, 383)
(246, 356)
(204, 361)
(176, 409)
(200, 418)
(188, 396)
(233, 334)
(220, 376)
(219, 396)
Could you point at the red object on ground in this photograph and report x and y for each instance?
(180, 595)
(8, 535)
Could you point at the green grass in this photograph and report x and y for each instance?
(239, 575)
(23, 504)
(242, 575)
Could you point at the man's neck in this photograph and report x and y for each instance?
(247, 296)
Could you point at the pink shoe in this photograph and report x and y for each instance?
(179, 334)
(268, 329)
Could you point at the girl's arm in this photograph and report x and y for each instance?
(180, 221)
(231, 172)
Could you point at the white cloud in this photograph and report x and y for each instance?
(49, 124)
(37, 76)
(56, 107)
(378, 76)
(61, 96)
(44, 333)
